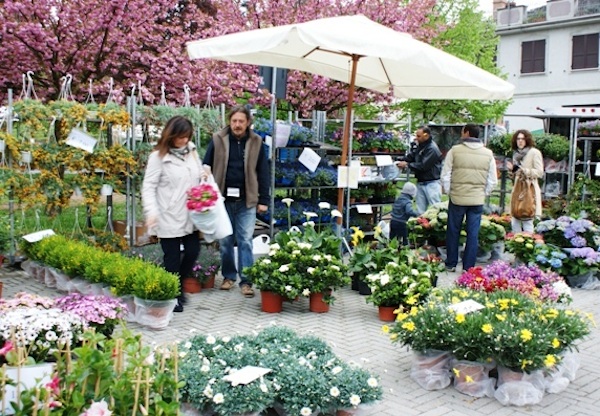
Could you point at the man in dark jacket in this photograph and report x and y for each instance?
(240, 168)
(426, 163)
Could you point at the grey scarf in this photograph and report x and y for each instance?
(179, 153)
(519, 154)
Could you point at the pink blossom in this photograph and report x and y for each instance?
(97, 409)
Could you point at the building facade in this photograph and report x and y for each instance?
(551, 55)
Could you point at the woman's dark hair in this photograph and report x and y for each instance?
(240, 109)
(175, 128)
(529, 142)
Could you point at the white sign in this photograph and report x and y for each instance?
(282, 134)
(466, 306)
(383, 160)
(269, 142)
(348, 177)
(310, 159)
(246, 375)
(364, 209)
(37, 236)
(81, 140)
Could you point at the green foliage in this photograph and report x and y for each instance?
(553, 146)
(500, 144)
(584, 196)
(469, 36)
(398, 284)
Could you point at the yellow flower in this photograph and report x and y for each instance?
(385, 329)
(409, 326)
(555, 343)
(501, 317)
(411, 300)
(460, 318)
(414, 311)
(526, 335)
(469, 379)
(487, 328)
(503, 303)
(401, 316)
(550, 360)
(552, 313)
(524, 363)
(456, 372)
(393, 337)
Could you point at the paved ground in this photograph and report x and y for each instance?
(353, 329)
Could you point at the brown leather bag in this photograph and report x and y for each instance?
(522, 204)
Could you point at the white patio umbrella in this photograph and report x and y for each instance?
(361, 52)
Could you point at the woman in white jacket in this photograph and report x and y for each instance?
(529, 160)
(173, 168)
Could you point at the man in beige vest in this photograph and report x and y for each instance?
(468, 176)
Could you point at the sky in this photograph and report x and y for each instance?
(486, 5)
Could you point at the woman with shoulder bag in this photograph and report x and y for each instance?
(173, 168)
(528, 165)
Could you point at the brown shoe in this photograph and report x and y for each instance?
(247, 291)
(227, 284)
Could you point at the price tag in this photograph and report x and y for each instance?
(364, 209)
(246, 375)
(466, 306)
(81, 140)
(310, 159)
(37, 236)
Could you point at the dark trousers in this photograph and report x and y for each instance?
(174, 261)
(456, 215)
(398, 230)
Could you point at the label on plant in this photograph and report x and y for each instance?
(383, 160)
(246, 375)
(466, 306)
(81, 140)
(364, 209)
(310, 159)
(348, 177)
(37, 236)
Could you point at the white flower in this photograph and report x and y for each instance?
(287, 201)
(354, 400)
(219, 398)
(372, 382)
(309, 214)
(266, 261)
(304, 246)
(308, 224)
(324, 205)
(264, 351)
(188, 345)
(335, 370)
(288, 288)
(296, 252)
(384, 279)
(310, 270)
(306, 292)
(205, 369)
(208, 391)
(263, 388)
(334, 391)
(210, 340)
(335, 267)
(149, 360)
(316, 257)
(238, 347)
(306, 411)
(284, 268)
(336, 214)
(274, 246)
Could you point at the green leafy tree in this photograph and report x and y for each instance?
(470, 36)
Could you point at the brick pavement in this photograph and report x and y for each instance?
(353, 329)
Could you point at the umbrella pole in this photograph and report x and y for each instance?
(346, 135)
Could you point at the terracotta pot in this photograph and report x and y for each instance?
(344, 412)
(271, 302)
(191, 285)
(386, 313)
(317, 304)
(1, 284)
(210, 283)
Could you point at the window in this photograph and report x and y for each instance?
(533, 56)
(585, 51)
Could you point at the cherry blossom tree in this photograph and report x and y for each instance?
(140, 42)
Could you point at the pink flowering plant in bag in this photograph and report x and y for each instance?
(203, 197)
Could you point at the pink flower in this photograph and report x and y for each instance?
(202, 197)
(98, 409)
(8, 346)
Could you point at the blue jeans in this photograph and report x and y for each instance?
(456, 215)
(243, 220)
(428, 194)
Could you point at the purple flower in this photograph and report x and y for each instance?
(577, 241)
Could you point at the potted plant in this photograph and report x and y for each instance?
(397, 285)
(101, 312)
(522, 245)
(206, 268)
(155, 294)
(490, 234)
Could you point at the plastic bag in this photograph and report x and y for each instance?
(385, 228)
(154, 314)
(431, 369)
(519, 388)
(473, 378)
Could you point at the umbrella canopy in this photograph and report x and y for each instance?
(388, 59)
(361, 52)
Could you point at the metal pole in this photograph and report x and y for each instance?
(11, 202)
(273, 150)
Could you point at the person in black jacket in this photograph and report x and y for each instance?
(401, 212)
(426, 163)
